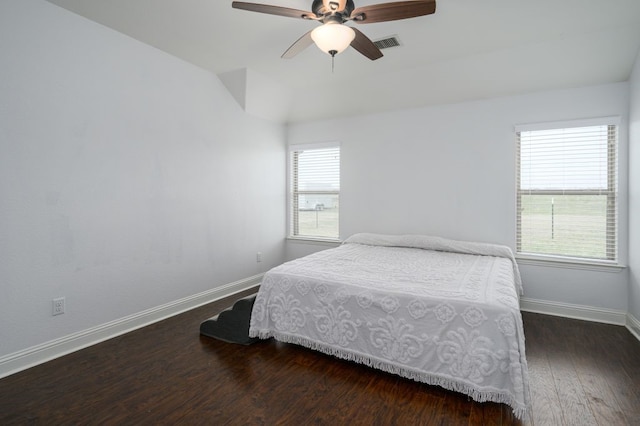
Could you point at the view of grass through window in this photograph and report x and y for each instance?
(561, 224)
(319, 222)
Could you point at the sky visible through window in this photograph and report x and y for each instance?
(548, 159)
(319, 170)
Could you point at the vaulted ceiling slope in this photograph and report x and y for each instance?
(468, 49)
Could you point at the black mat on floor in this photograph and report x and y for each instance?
(232, 324)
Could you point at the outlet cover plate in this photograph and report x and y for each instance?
(58, 306)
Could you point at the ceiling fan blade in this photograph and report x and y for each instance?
(364, 45)
(273, 10)
(393, 11)
(299, 45)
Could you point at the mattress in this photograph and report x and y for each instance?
(437, 311)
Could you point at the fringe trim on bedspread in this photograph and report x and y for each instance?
(519, 410)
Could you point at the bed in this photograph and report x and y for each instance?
(437, 311)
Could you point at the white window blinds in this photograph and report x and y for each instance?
(314, 191)
(567, 196)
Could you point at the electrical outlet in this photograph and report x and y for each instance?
(58, 306)
(258, 257)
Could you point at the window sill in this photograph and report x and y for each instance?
(568, 263)
(317, 241)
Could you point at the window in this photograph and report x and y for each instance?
(567, 190)
(314, 191)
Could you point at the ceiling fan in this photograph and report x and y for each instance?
(333, 36)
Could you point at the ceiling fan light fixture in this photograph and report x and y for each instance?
(332, 37)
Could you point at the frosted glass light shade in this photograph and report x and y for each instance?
(333, 38)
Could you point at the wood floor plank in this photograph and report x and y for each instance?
(589, 369)
(627, 395)
(619, 364)
(488, 414)
(546, 406)
(167, 374)
(574, 402)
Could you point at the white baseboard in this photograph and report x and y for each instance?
(35, 355)
(567, 310)
(587, 313)
(633, 324)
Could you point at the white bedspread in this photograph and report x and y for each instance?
(437, 311)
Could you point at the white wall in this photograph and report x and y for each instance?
(128, 178)
(450, 171)
(634, 193)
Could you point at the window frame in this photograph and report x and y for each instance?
(292, 201)
(612, 192)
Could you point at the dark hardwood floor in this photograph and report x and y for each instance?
(582, 373)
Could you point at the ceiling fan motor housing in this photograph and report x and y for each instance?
(318, 7)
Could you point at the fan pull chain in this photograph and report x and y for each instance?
(333, 57)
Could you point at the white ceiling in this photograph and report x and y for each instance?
(468, 49)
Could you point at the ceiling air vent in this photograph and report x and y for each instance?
(388, 42)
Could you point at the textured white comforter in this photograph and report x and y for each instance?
(437, 311)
